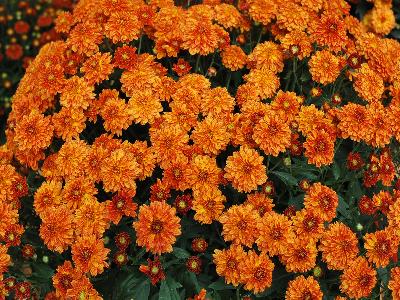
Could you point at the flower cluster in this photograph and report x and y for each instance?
(210, 150)
(25, 26)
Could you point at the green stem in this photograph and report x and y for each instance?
(140, 43)
(228, 80)
(197, 63)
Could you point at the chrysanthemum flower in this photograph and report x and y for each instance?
(355, 122)
(324, 67)
(358, 279)
(176, 172)
(227, 262)
(381, 247)
(307, 223)
(211, 135)
(89, 254)
(322, 200)
(68, 123)
(297, 43)
(286, 105)
(117, 115)
(233, 58)
(82, 288)
(265, 82)
(77, 93)
(394, 283)
(275, 233)
(339, 246)
(85, 37)
(263, 11)
(256, 271)
(266, 56)
(329, 30)
(208, 203)
(157, 227)
(119, 171)
(217, 102)
(122, 26)
(201, 36)
(260, 203)
(97, 68)
(368, 84)
(380, 19)
(272, 134)
(319, 148)
(33, 132)
(63, 278)
(145, 107)
(239, 224)
(181, 67)
(56, 229)
(203, 173)
(125, 57)
(245, 169)
(383, 124)
(300, 255)
(154, 270)
(5, 259)
(303, 288)
(91, 217)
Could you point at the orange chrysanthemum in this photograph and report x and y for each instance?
(260, 203)
(322, 200)
(307, 223)
(145, 107)
(266, 56)
(176, 172)
(381, 247)
(56, 229)
(339, 246)
(157, 227)
(122, 26)
(121, 205)
(233, 58)
(256, 271)
(203, 173)
(358, 279)
(97, 68)
(368, 84)
(63, 277)
(275, 233)
(324, 67)
(82, 288)
(117, 115)
(319, 148)
(208, 204)
(245, 169)
(264, 81)
(300, 255)
(239, 224)
(5, 259)
(272, 134)
(394, 283)
(303, 288)
(227, 262)
(355, 122)
(211, 135)
(89, 254)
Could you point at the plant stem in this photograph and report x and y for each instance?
(140, 44)
(197, 63)
(228, 80)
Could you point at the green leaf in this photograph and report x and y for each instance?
(343, 208)
(193, 279)
(220, 285)
(180, 253)
(133, 286)
(336, 171)
(286, 178)
(168, 290)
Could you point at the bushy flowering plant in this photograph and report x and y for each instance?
(25, 26)
(206, 151)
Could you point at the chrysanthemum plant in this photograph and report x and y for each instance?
(206, 151)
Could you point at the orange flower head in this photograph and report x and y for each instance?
(208, 204)
(121, 205)
(260, 203)
(227, 262)
(63, 278)
(300, 255)
(394, 283)
(97, 68)
(358, 279)
(56, 229)
(266, 56)
(256, 271)
(275, 233)
(157, 227)
(307, 223)
(233, 58)
(381, 247)
(339, 246)
(239, 224)
(245, 169)
(272, 134)
(322, 200)
(319, 148)
(89, 254)
(303, 288)
(324, 67)
(5, 259)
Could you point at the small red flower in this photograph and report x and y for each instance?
(120, 258)
(183, 204)
(153, 270)
(28, 251)
(354, 161)
(366, 205)
(14, 51)
(193, 264)
(199, 245)
(122, 240)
